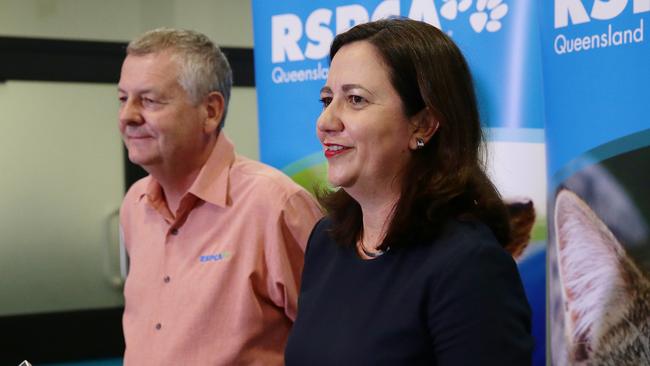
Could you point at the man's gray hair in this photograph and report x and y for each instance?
(204, 68)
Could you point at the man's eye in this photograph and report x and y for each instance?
(325, 101)
(149, 101)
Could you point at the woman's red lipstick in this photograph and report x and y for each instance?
(332, 150)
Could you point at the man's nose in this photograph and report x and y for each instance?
(130, 113)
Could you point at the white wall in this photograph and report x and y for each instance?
(61, 155)
(228, 23)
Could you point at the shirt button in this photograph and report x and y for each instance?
(158, 326)
(174, 231)
(166, 279)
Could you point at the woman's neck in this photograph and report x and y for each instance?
(377, 216)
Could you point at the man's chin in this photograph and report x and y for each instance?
(142, 161)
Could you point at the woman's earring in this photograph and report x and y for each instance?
(419, 143)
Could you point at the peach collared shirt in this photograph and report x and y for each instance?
(216, 283)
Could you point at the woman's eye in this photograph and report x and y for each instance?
(325, 101)
(356, 100)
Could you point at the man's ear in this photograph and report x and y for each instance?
(215, 105)
(424, 125)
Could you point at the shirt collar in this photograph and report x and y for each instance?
(154, 193)
(211, 185)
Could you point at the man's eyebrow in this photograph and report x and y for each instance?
(140, 91)
(326, 89)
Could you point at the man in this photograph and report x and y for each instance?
(215, 241)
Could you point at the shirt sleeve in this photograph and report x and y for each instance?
(480, 314)
(285, 258)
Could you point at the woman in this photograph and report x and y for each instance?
(408, 268)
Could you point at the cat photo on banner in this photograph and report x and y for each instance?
(599, 265)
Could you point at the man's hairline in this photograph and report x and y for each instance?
(176, 56)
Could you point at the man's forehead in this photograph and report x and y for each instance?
(158, 62)
(150, 72)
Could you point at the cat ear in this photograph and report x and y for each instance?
(594, 272)
(522, 219)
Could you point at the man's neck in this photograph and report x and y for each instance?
(176, 179)
(175, 188)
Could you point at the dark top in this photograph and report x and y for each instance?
(457, 300)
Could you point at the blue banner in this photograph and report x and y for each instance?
(596, 73)
(501, 42)
(292, 39)
(596, 76)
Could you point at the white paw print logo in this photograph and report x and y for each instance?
(488, 15)
(450, 8)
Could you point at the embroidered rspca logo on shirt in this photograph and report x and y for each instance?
(215, 257)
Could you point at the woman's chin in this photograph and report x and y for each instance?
(339, 181)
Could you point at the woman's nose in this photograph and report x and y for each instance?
(329, 119)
